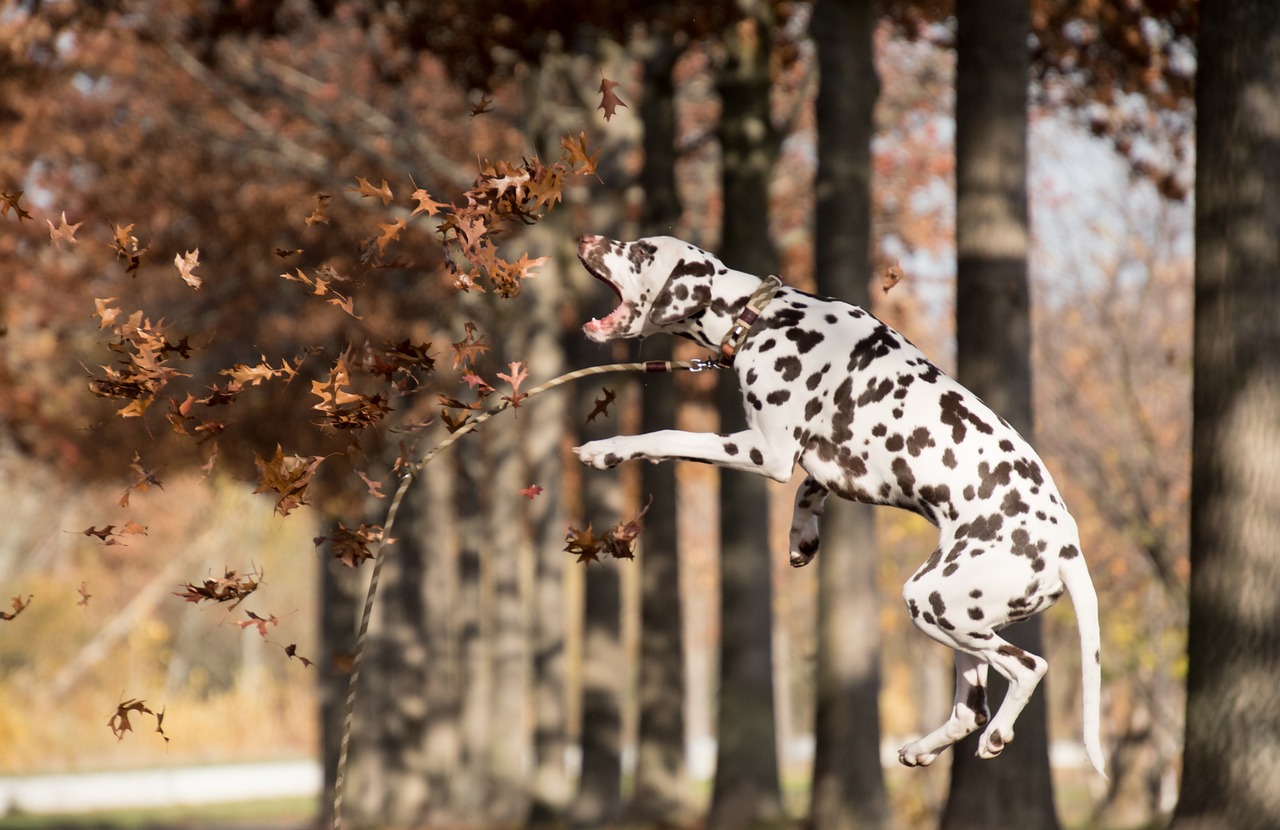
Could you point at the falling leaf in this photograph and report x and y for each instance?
(102, 534)
(609, 100)
(319, 214)
(466, 350)
(367, 190)
(260, 622)
(207, 467)
(63, 232)
(892, 276)
(186, 264)
(454, 423)
(287, 476)
(127, 247)
(576, 152)
(9, 201)
(602, 404)
(292, 651)
(144, 480)
(390, 233)
(83, 591)
(531, 492)
(106, 313)
(583, 544)
(375, 487)
(426, 204)
(160, 725)
(474, 381)
(484, 105)
(285, 253)
(18, 604)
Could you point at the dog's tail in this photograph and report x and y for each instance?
(1075, 575)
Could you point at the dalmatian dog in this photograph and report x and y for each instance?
(829, 387)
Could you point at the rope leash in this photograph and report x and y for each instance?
(651, 367)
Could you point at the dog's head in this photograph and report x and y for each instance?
(660, 282)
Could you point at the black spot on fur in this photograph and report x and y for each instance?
(958, 416)
(1013, 504)
(1021, 656)
(919, 441)
(878, 344)
(778, 397)
(805, 340)
(788, 367)
(906, 479)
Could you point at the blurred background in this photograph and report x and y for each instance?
(505, 683)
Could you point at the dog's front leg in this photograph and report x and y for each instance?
(746, 451)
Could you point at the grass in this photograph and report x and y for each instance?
(280, 813)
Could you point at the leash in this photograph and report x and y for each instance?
(406, 479)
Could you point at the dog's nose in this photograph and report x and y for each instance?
(587, 239)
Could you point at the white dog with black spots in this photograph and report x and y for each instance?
(829, 387)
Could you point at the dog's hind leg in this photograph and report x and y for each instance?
(811, 498)
(968, 714)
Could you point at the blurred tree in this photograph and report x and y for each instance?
(661, 786)
(746, 789)
(1230, 770)
(848, 781)
(993, 354)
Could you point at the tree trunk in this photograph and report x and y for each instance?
(390, 775)
(340, 609)
(848, 781)
(746, 790)
(473, 784)
(993, 355)
(1232, 752)
(599, 794)
(513, 631)
(661, 787)
(543, 428)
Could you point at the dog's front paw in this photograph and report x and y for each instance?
(912, 756)
(598, 454)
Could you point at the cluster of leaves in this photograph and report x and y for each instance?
(119, 721)
(231, 587)
(351, 547)
(143, 367)
(618, 541)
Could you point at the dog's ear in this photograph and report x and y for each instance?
(687, 291)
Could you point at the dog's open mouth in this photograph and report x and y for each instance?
(606, 327)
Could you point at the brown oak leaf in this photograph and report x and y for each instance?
(609, 100)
